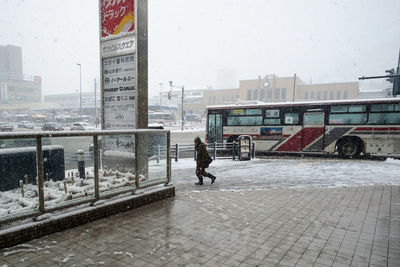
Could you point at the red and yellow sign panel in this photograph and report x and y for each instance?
(117, 17)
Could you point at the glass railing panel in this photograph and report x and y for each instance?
(117, 163)
(70, 176)
(156, 161)
(18, 177)
(69, 169)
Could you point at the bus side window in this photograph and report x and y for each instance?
(384, 118)
(272, 117)
(291, 118)
(348, 118)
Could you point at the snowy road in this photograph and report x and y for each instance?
(275, 173)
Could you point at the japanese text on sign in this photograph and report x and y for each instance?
(119, 92)
(117, 47)
(117, 17)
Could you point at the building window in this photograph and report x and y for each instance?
(318, 95)
(248, 94)
(214, 99)
(312, 96)
(325, 95)
(283, 95)
(209, 99)
(255, 94)
(306, 95)
(262, 94)
(345, 94)
(331, 95)
(339, 94)
(277, 94)
(269, 95)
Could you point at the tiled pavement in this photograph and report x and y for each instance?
(356, 226)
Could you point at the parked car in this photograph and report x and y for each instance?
(6, 127)
(193, 118)
(51, 126)
(25, 124)
(81, 126)
(156, 126)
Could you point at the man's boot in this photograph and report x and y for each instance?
(200, 182)
(212, 177)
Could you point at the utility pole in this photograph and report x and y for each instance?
(294, 87)
(161, 96)
(183, 95)
(396, 82)
(80, 89)
(95, 102)
(183, 111)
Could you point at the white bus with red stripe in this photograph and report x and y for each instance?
(347, 127)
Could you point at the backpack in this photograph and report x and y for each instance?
(209, 160)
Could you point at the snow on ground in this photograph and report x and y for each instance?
(269, 173)
(274, 172)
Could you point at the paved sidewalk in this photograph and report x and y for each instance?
(355, 226)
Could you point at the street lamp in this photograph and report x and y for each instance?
(183, 93)
(161, 84)
(80, 89)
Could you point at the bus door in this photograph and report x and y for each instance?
(214, 133)
(313, 131)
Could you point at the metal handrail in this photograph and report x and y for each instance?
(95, 134)
(210, 146)
(19, 135)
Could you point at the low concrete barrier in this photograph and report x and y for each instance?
(58, 222)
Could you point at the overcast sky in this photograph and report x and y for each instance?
(211, 42)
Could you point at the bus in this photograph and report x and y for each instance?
(346, 127)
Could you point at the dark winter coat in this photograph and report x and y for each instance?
(202, 160)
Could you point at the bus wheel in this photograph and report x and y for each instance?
(349, 148)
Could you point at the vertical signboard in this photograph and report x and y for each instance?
(123, 55)
(118, 64)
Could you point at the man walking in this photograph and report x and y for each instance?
(203, 160)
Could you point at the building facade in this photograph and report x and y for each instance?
(15, 86)
(72, 100)
(328, 91)
(268, 89)
(221, 96)
(272, 88)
